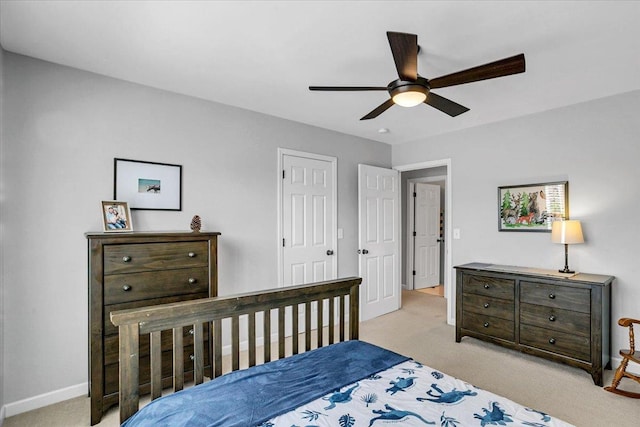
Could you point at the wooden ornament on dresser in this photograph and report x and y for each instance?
(135, 270)
(196, 223)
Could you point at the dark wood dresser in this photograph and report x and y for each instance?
(540, 312)
(130, 270)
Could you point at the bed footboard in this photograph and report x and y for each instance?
(283, 303)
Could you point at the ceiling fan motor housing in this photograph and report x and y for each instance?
(418, 88)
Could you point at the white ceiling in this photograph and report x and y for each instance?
(263, 55)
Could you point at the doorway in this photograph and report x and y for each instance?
(425, 233)
(432, 172)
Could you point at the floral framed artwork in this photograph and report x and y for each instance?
(116, 216)
(148, 185)
(532, 207)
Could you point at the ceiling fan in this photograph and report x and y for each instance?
(410, 89)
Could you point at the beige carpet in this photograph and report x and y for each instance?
(564, 392)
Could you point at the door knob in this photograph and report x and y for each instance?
(364, 251)
(329, 252)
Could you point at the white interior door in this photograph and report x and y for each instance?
(379, 238)
(427, 236)
(308, 219)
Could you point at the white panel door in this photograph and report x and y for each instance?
(308, 220)
(379, 238)
(427, 235)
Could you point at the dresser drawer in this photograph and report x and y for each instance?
(488, 306)
(489, 286)
(556, 319)
(566, 297)
(133, 258)
(571, 345)
(120, 288)
(488, 325)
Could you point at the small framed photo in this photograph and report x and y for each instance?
(116, 216)
(148, 185)
(532, 207)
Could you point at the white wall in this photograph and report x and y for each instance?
(2, 223)
(62, 129)
(595, 146)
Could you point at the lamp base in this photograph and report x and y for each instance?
(566, 270)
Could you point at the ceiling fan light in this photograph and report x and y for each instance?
(409, 98)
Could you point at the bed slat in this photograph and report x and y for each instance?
(267, 336)
(307, 326)
(198, 353)
(295, 330)
(281, 336)
(156, 364)
(342, 316)
(252, 339)
(217, 348)
(320, 324)
(331, 321)
(235, 343)
(178, 359)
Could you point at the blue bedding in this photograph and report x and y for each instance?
(252, 396)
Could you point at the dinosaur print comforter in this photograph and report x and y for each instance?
(413, 394)
(348, 384)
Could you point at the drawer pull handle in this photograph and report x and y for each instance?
(126, 288)
(552, 296)
(552, 340)
(486, 324)
(552, 318)
(486, 286)
(486, 305)
(192, 254)
(193, 280)
(126, 258)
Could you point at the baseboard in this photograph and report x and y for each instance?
(2, 416)
(45, 399)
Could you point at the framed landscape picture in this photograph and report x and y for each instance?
(532, 207)
(148, 185)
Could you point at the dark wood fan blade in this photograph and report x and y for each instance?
(501, 68)
(347, 88)
(379, 110)
(445, 105)
(404, 48)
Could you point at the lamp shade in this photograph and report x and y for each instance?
(568, 232)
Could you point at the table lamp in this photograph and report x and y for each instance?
(567, 232)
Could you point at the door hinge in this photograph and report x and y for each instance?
(415, 194)
(414, 234)
(283, 243)
(414, 272)
(282, 173)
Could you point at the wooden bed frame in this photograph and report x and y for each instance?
(153, 320)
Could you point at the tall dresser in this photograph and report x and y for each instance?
(130, 270)
(565, 318)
